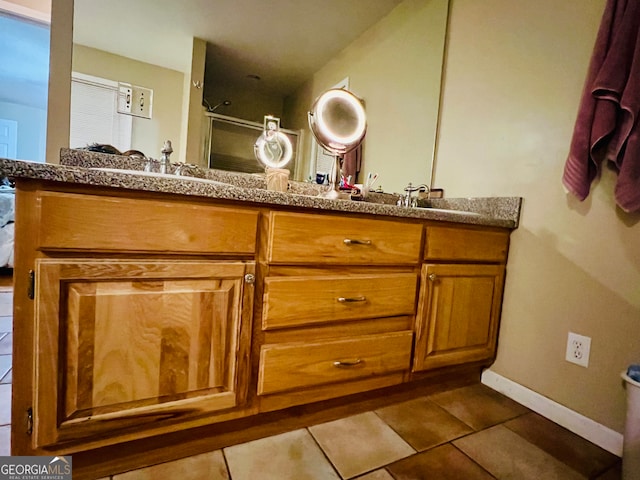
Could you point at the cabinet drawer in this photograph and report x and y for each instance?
(446, 243)
(290, 366)
(292, 301)
(92, 222)
(304, 238)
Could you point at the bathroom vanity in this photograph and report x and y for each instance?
(162, 317)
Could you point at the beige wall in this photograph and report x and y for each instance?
(395, 67)
(148, 135)
(514, 76)
(248, 104)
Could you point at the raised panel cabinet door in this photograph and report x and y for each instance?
(458, 314)
(126, 345)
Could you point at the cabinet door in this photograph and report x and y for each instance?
(124, 345)
(458, 314)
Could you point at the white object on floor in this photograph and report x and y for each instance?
(631, 446)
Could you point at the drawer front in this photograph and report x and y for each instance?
(295, 301)
(92, 222)
(291, 366)
(304, 238)
(445, 243)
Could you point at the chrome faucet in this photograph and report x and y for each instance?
(165, 163)
(407, 200)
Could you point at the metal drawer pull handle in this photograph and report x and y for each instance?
(352, 299)
(433, 277)
(347, 363)
(352, 241)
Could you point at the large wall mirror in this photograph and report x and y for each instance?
(246, 59)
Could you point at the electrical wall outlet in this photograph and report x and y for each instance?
(578, 349)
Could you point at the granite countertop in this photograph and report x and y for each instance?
(79, 167)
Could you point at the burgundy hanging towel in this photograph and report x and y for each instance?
(607, 122)
(352, 162)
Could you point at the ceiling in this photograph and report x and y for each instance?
(282, 41)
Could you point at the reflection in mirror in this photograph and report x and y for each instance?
(230, 144)
(273, 148)
(193, 59)
(338, 122)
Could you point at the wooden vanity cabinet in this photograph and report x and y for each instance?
(132, 338)
(462, 281)
(137, 322)
(339, 300)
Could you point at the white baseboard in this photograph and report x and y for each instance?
(591, 430)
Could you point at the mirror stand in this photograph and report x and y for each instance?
(334, 192)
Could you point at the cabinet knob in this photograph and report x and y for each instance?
(250, 278)
(353, 241)
(432, 277)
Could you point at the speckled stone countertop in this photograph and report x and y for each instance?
(79, 167)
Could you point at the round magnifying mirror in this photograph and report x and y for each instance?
(338, 122)
(273, 148)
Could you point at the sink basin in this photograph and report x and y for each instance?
(142, 173)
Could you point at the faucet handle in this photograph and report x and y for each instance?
(167, 148)
(418, 188)
(151, 165)
(182, 167)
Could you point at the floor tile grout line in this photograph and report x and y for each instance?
(315, 440)
(226, 463)
(532, 446)
(473, 460)
(415, 450)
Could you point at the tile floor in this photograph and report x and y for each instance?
(469, 433)
(6, 338)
